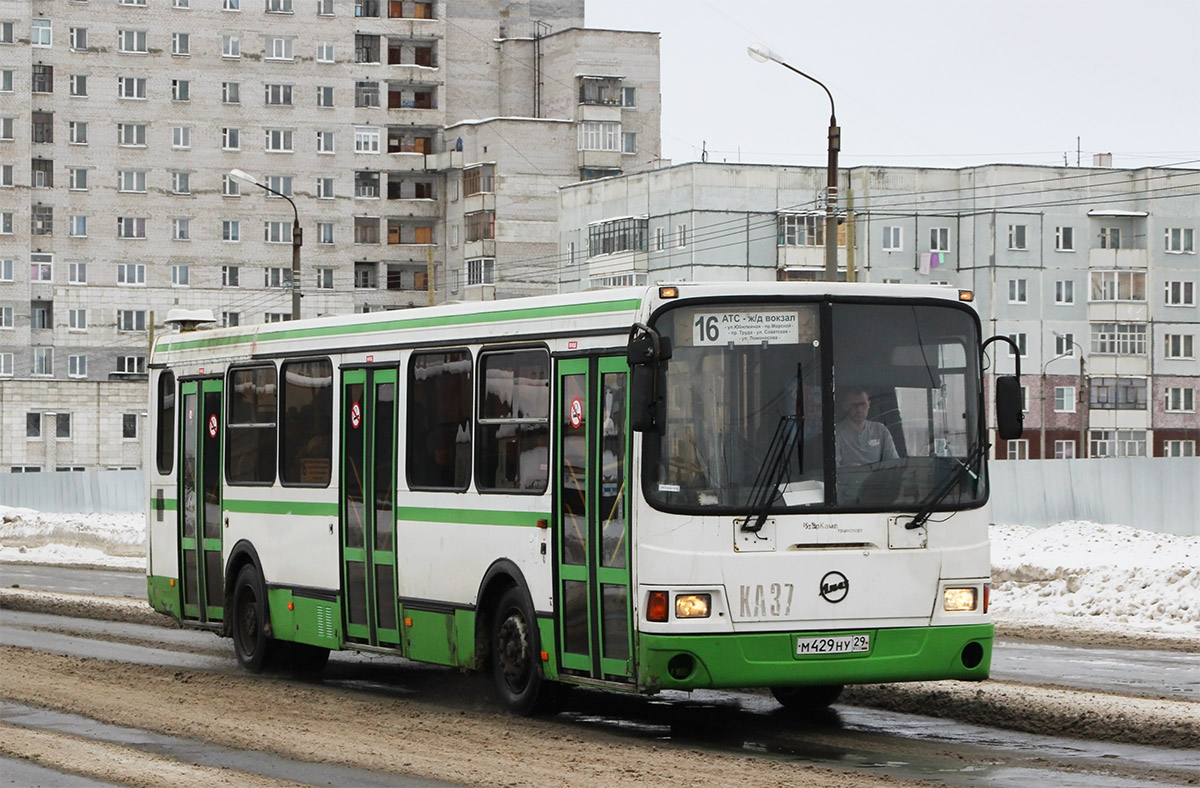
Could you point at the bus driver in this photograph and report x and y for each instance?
(860, 442)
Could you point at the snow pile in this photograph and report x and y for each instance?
(115, 540)
(1120, 576)
(1106, 576)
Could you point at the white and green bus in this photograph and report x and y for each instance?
(672, 487)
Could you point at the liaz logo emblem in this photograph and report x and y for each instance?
(834, 587)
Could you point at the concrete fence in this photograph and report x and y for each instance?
(1155, 494)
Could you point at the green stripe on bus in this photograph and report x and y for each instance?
(496, 316)
(469, 516)
(318, 509)
(167, 504)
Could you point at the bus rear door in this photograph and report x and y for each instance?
(592, 519)
(201, 566)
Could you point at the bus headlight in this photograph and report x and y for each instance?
(692, 605)
(959, 600)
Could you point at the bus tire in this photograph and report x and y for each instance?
(807, 698)
(516, 655)
(250, 641)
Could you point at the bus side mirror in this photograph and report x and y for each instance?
(645, 352)
(1009, 418)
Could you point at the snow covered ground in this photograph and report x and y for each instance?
(1106, 577)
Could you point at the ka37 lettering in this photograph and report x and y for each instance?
(774, 599)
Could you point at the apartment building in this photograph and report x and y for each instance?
(1092, 271)
(419, 147)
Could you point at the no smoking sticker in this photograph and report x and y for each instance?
(355, 415)
(576, 412)
(212, 426)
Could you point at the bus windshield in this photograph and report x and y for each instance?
(768, 409)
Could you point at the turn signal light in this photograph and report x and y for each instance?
(959, 600)
(966, 295)
(668, 292)
(987, 596)
(657, 606)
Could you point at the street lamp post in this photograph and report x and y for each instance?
(1080, 398)
(297, 237)
(762, 55)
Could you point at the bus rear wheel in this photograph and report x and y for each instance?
(516, 657)
(250, 641)
(807, 698)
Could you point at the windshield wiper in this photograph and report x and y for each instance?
(770, 473)
(939, 493)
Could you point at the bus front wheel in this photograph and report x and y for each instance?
(250, 641)
(516, 656)
(807, 698)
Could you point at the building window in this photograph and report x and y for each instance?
(129, 426)
(628, 142)
(181, 229)
(230, 187)
(181, 44)
(131, 135)
(324, 7)
(366, 139)
(78, 132)
(599, 135)
(42, 220)
(231, 46)
(1117, 443)
(131, 274)
(1064, 399)
(1180, 293)
(365, 275)
(281, 184)
(798, 229)
(276, 317)
(231, 230)
(131, 365)
(481, 271)
(324, 51)
(279, 6)
(893, 239)
(1064, 345)
(324, 95)
(1180, 240)
(279, 48)
(231, 5)
(38, 166)
(1110, 238)
(230, 319)
(1179, 448)
(366, 230)
(1019, 338)
(275, 276)
(366, 49)
(6, 129)
(324, 232)
(279, 140)
(180, 276)
(231, 92)
(77, 366)
(78, 85)
(231, 138)
(6, 223)
(1064, 239)
(1180, 399)
(250, 421)
(131, 181)
(43, 361)
(1064, 450)
(1118, 286)
(1016, 237)
(939, 239)
(181, 137)
(1016, 291)
(6, 317)
(1016, 449)
(132, 41)
(324, 188)
(278, 95)
(131, 320)
(324, 142)
(324, 278)
(40, 35)
(1179, 346)
(366, 184)
(42, 124)
(78, 39)
(481, 225)
(131, 227)
(131, 88)
(612, 237)
(1118, 393)
(1120, 339)
(277, 232)
(33, 425)
(77, 273)
(229, 275)
(77, 320)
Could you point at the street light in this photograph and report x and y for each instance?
(1080, 397)
(297, 237)
(762, 55)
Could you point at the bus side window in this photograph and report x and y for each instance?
(438, 422)
(250, 438)
(166, 422)
(513, 451)
(305, 442)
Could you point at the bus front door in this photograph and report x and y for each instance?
(368, 506)
(592, 520)
(201, 566)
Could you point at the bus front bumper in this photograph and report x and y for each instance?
(686, 662)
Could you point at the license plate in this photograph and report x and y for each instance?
(833, 644)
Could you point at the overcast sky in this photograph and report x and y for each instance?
(938, 83)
